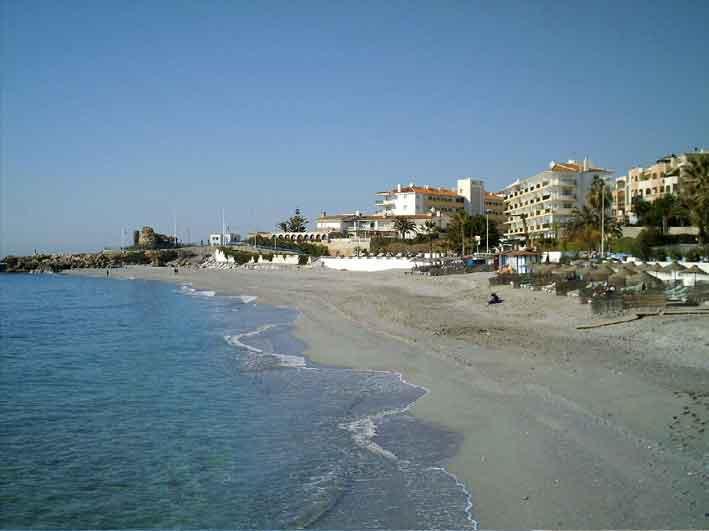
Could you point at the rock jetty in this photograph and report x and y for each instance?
(54, 263)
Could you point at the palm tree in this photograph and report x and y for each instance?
(403, 226)
(600, 196)
(460, 223)
(430, 228)
(524, 217)
(694, 190)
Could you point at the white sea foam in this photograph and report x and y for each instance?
(236, 339)
(284, 360)
(245, 298)
(287, 360)
(468, 497)
(205, 293)
(363, 430)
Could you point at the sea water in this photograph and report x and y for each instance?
(137, 404)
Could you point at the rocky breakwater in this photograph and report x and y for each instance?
(54, 263)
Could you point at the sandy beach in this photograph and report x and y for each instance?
(563, 428)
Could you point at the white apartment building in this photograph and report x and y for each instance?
(473, 191)
(374, 225)
(546, 200)
(650, 183)
(412, 199)
(224, 239)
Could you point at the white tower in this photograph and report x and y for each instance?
(474, 193)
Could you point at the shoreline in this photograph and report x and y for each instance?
(538, 451)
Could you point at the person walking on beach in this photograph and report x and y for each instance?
(107, 273)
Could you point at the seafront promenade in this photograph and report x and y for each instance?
(563, 428)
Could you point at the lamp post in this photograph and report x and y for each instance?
(487, 232)
(603, 221)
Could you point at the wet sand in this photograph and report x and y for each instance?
(601, 428)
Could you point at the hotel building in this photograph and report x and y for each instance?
(412, 199)
(495, 208)
(547, 200)
(650, 183)
(380, 225)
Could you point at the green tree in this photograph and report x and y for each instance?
(458, 228)
(668, 210)
(480, 227)
(600, 197)
(296, 223)
(403, 226)
(642, 209)
(694, 189)
(525, 228)
(430, 228)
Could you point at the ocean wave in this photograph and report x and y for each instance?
(245, 299)
(468, 497)
(189, 290)
(265, 360)
(362, 430)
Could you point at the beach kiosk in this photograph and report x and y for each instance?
(520, 261)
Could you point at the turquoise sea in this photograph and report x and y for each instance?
(137, 404)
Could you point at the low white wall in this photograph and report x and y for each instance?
(278, 259)
(368, 264)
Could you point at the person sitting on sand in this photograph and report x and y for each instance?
(494, 299)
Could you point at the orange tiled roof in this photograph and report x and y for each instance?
(422, 190)
(571, 167)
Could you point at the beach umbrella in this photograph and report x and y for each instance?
(649, 280)
(656, 268)
(674, 268)
(629, 271)
(630, 266)
(697, 271)
(618, 279)
(598, 274)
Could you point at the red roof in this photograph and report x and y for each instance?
(572, 167)
(421, 190)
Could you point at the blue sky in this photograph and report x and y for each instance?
(118, 114)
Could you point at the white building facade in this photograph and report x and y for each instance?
(411, 200)
(227, 238)
(360, 225)
(546, 201)
(473, 192)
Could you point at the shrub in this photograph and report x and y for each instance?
(659, 254)
(693, 255)
(646, 240)
(302, 259)
(626, 245)
(240, 257)
(313, 249)
(675, 253)
(268, 257)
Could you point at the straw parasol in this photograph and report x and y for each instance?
(697, 271)
(649, 280)
(618, 279)
(598, 274)
(606, 268)
(656, 268)
(631, 266)
(674, 268)
(641, 266)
